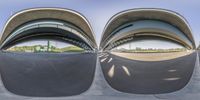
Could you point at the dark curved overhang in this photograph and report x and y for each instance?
(148, 28)
(132, 15)
(43, 34)
(47, 28)
(65, 15)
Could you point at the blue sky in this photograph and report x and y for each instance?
(98, 12)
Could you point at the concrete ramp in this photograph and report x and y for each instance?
(46, 74)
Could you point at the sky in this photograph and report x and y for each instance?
(98, 12)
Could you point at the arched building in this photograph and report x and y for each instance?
(56, 23)
(126, 25)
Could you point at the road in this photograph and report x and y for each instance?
(46, 74)
(100, 89)
(147, 77)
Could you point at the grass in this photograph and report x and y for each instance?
(40, 48)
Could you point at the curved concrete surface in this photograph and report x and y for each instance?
(132, 15)
(43, 28)
(46, 33)
(66, 15)
(146, 77)
(47, 75)
(148, 28)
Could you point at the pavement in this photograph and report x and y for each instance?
(147, 77)
(100, 89)
(47, 74)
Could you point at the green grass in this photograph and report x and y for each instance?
(42, 49)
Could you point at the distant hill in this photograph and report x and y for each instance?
(68, 49)
(150, 50)
(43, 48)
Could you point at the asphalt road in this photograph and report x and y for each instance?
(47, 75)
(147, 77)
(100, 89)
